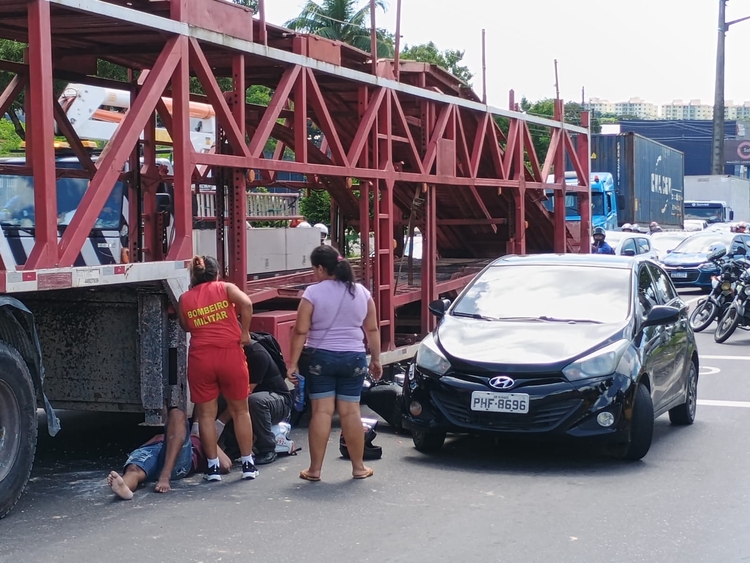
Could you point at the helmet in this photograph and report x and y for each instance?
(323, 229)
(371, 450)
(627, 227)
(742, 225)
(717, 250)
(600, 231)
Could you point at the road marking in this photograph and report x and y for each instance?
(710, 370)
(743, 358)
(712, 403)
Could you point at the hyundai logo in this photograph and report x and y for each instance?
(502, 382)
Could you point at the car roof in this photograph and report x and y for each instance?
(603, 260)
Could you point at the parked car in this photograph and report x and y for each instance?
(695, 225)
(688, 265)
(665, 242)
(630, 244)
(528, 349)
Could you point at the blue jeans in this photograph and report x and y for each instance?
(150, 458)
(333, 374)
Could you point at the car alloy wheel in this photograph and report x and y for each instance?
(684, 414)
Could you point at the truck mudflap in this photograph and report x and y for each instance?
(19, 319)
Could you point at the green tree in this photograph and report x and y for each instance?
(450, 59)
(340, 20)
(316, 207)
(252, 4)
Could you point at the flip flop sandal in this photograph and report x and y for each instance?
(365, 475)
(306, 477)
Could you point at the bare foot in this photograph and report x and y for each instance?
(118, 486)
(162, 485)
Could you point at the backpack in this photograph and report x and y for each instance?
(271, 346)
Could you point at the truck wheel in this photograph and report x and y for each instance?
(18, 427)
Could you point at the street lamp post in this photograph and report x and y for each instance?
(717, 154)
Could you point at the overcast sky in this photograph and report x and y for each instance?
(658, 50)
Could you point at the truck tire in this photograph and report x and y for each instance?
(18, 427)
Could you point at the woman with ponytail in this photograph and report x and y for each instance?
(328, 349)
(216, 359)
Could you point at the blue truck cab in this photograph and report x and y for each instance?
(604, 204)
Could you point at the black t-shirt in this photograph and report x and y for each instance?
(264, 373)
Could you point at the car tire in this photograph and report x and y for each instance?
(18, 427)
(727, 324)
(641, 427)
(703, 316)
(684, 414)
(428, 440)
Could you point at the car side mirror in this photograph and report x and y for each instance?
(662, 315)
(628, 252)
(163, 203)
(439, 307)
(731, 215)
(668, 251)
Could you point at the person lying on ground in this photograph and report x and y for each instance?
(172, 455)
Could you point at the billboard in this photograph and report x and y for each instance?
(737, 151)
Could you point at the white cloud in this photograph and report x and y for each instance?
(655, 49)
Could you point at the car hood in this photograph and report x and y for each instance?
(681, 259)
(520, 345)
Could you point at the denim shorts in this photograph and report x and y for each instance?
(333, 374)
(150, 458)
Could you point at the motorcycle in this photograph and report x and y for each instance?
(737, 314)
(715, 305)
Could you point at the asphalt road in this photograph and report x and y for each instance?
(686, 501)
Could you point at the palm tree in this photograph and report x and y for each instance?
(341, 21)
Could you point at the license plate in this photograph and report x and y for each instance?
(487, 401)
(678, 274)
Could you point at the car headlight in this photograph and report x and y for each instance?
(747, 290)
(707, 266)
(430, 358)
(596, 364)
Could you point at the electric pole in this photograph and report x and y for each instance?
(717, 145)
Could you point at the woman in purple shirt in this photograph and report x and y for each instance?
(329, 350)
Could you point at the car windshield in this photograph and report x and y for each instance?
(700, 244)
(548, 293)
(17, 202)
(708, 214)
(662, 243)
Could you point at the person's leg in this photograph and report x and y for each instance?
(260, 405)
(351, 376)
(206, 414)
(321, 384)
(175, 435)
(243, 425)
(318, 433)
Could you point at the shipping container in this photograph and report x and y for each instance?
(691, 137)
(649, 177)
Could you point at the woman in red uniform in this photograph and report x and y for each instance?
(216, 361)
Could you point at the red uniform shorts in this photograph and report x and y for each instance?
(218, 370)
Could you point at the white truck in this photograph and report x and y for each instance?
(717, 199)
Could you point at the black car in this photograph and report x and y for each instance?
(582, 346)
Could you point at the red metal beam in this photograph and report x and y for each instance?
(238, 191)
(115, 154)
(440, 125)
(300, 122)
(216, 97)
(324, 121)
(365, 125)
(404, 126)
(40, 146)
(476, 155)
(278, 102)
(73, 140)
(11, 92)
(182, 245)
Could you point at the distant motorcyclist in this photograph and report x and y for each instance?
(627, 228)
(600, 245)
(742, 227)
(654, 227)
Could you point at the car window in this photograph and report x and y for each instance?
(736, 244)
(663, 284)
(644, 247)
(647, 296)
(629, 244)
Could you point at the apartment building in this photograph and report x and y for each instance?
(634, 107)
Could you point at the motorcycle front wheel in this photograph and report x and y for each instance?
(704, 315)
(727, 324)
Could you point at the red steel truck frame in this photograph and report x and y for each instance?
(404, 146)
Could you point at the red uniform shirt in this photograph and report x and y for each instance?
(211, 317)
